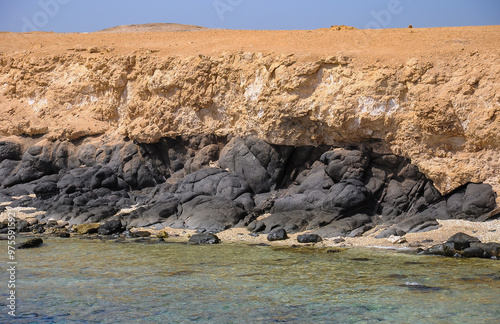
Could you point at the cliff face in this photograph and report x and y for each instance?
(429, 95)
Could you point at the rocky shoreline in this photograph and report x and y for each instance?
(428, 243)
(211, 184)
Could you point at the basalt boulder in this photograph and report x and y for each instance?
(462, 241)
(292, 221)
(347, 195)
(111, 227)
(277, 235)
(204, 238)
(260, 164)
(210, 182)
(46, 189)
(9, 151)
(309, 238)
(211, 214)
(30, 243)
(345, 164)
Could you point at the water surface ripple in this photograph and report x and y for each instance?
(92, 281)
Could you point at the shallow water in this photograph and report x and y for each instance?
(83, 281)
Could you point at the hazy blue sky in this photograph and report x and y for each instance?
(92, 15)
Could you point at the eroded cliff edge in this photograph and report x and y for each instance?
(430, 95)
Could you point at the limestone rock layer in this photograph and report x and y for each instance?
(430, 95)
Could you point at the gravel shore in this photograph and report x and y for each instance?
(488, 231)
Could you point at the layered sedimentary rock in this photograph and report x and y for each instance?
(84, 117)
(430, 95)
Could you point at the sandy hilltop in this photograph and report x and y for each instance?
(425, 96)
(428, 94)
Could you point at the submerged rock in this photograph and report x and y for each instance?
(415, 286)
(31, 243)
(490, 250)
(204, 238)
(445, 249)
(463, 245)
(473, 252)
(140, 234)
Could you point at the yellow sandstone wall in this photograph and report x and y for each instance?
(432, 95)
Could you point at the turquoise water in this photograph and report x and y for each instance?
(92, 281)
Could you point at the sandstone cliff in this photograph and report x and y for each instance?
(431, 95)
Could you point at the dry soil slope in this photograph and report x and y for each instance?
(429, 94)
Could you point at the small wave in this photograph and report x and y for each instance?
(413, 283)
(416, 286)
(389, 247)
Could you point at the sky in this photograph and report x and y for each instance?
(93, 15)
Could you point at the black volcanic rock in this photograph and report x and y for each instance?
(9, 151)
(30, 243)
(309, 238)
(204, 238)
(210, 184)
(345, 164)
(257, 162)
(46, 189)
(463, 245)
(479, 199)
(111, 227)
(445, 249)
(490, 250)
(312, 200)
(473, 252)
(462, 241)
(277, 235)
(347, 195)
(292, 221)
(212, 214)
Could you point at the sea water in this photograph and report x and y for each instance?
(92, 281)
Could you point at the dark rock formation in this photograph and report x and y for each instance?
(140, 234)
(111, 227)
(466, 246)
(473, 252)
(9, 151)
(30, 243)
(277, 235)
(204, 238)
(212, 214)
(292, 222)
(260, 164)
(23, 226)
(462, 241)
(58, 232)
(209, 184)
(309, 238)
(445, 249)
